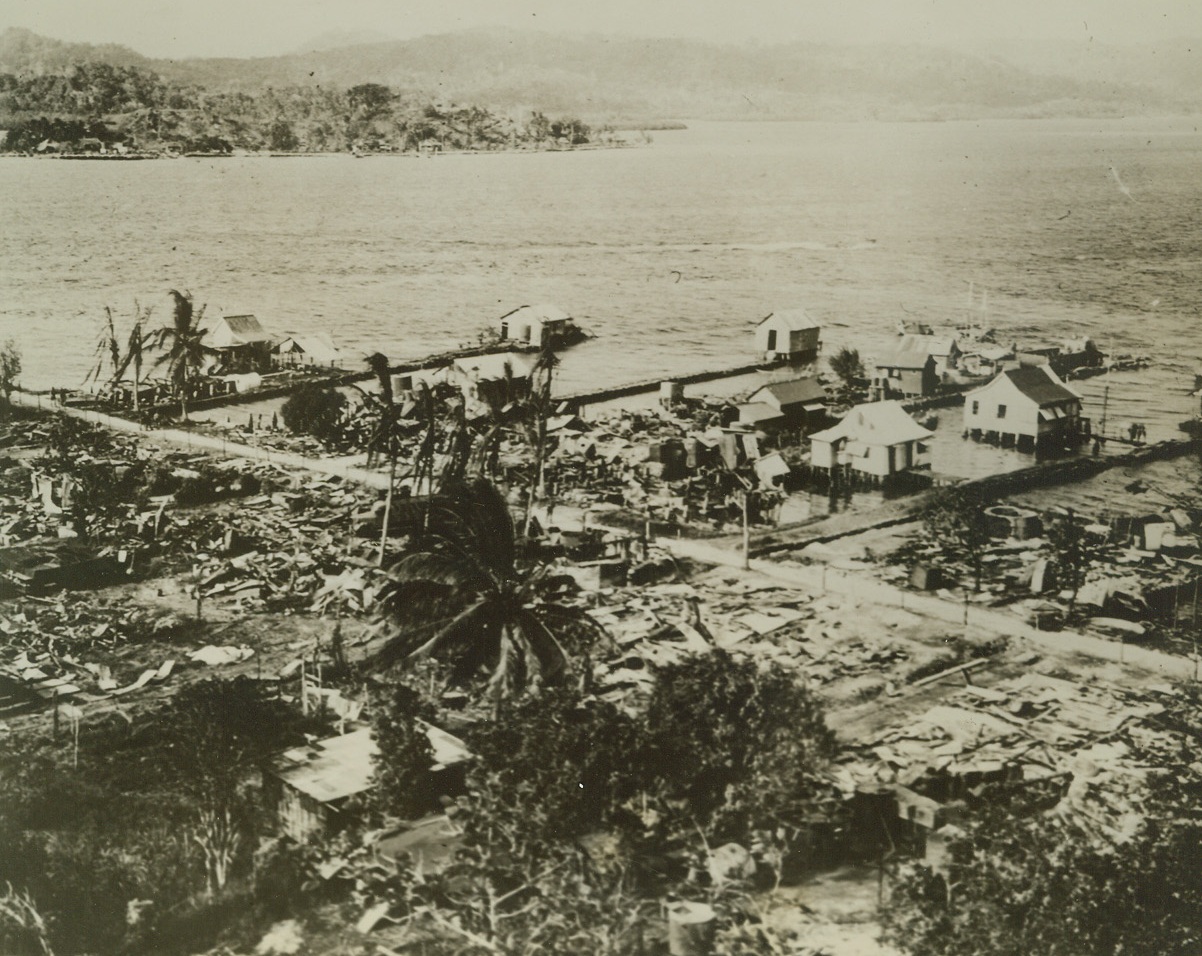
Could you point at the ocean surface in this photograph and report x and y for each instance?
(669, 253)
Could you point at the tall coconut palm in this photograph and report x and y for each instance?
(139, 339)
(385, 439)
(460, 594)
(109, 350)
(538, 409)
(185, 349)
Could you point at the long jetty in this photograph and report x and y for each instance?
(331, 378)
(646, 386)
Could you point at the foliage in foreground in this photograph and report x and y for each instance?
(1023, 878)
(151, 829)
(847, 365)
(580, 817)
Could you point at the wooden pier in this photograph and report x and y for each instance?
(578, 400)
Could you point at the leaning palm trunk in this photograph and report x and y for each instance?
(137, 379)
(387, 507)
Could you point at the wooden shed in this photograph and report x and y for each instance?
(791, 335)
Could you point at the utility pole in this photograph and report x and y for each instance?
(746, 534)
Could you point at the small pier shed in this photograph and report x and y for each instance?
(790, 335)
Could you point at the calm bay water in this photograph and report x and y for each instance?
(668, 253)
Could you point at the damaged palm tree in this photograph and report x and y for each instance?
(383, 440)
(120, 359)
(538, 410)
(185, 349)
(460, 594)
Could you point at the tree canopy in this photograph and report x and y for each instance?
(459, 592)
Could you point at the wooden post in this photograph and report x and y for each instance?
(690, 929)
(746, 535)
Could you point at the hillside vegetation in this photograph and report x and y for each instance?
(96, 106)
(631, 81)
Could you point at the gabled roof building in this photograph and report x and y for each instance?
(1028, 407)
(791, 335)
(798, 402)
(878, 439)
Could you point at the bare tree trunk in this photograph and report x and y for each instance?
(387, 509)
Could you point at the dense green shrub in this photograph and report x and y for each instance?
(315, 410)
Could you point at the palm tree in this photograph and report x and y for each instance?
(185, 348)
(460, 594)
(384, 439)
(139, 338)
(538, 410)
(109, 347)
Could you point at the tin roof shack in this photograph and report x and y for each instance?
(317, 349)
(1029, 407)
(905, 374)
(493, 381)
(536, 325)
(313, 788)
(790, 335)
(878, 440)
(242, 342)
(801, 402)
(944, 349)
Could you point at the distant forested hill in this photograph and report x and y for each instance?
(67, 98)
(507, 77)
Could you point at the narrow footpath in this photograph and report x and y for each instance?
(191, 441)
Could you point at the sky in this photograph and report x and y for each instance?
(241, 28)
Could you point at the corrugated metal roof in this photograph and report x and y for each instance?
(752, 413)
(903, 358)
(940, 345)
(798, 390)
(1040, 384)
(794, 319)
(330, 769)
(339, 767)
(233, 330)
(317, 345)
(876, 423)
(538, 313)
(486, 368)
